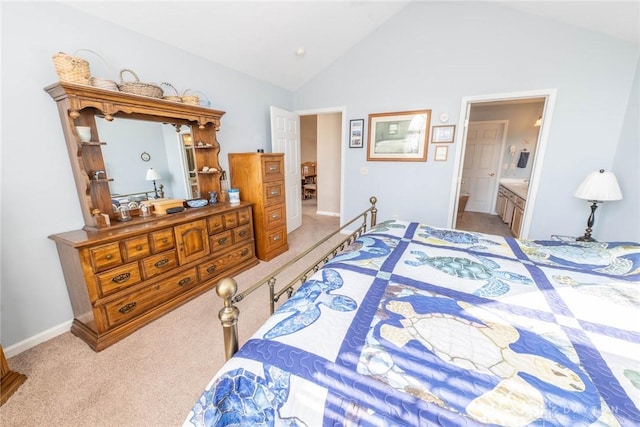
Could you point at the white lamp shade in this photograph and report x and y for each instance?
(152, 175)
(599, 186)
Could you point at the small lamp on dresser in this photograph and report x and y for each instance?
(599, 186)
(152, 175)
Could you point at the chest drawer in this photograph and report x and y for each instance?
(230, 220)
(272, 168)
(139, 302)
(221, 264)
(273, 193)
(158, 264)
(274, 216)
(219, 241)
(106, 256)
(215, 224)
(118, 278)
(161, 240)
(276, 238)
(135, 248)
(242, 233)
(244, 216)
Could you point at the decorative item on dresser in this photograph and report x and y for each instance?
(260, 179)
(122, 275)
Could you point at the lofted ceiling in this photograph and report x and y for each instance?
(260, 38)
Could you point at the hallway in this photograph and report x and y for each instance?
(483, 223)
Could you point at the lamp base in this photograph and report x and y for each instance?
(585, 238)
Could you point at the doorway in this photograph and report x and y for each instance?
(485, 158)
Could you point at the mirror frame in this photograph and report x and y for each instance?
(79, 105)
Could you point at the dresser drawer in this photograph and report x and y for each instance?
(223, 263)
(273, 193)
(106, 256)
(241, 234)
(274, 216)
(161, 240)
(244, 216)
(158, 264)
(118, 278)
(135, 248)
(275, 238)
(272, 168)
(230, 220)
(139, 302)
(215, 224)
(220, 241)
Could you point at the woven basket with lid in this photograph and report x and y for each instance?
(137, 87)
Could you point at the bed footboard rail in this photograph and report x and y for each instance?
(227, 288)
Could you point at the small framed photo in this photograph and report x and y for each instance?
(356, 127)
(441, 153)
(443, 134)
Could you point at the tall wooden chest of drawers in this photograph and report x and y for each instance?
(260, 179)
(123, 278)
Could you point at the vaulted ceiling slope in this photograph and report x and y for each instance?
(260, 38)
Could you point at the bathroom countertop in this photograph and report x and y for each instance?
(517, 186)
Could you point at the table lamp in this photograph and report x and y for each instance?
(152, 175)
(597, 187)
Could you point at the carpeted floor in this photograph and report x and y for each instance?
(152, 377)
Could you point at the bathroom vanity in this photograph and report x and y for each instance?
(512, 198)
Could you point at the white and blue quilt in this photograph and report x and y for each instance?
(417, 325)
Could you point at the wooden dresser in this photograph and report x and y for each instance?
(119, 282)
(9, 380)
(260, 179)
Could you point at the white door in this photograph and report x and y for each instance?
(285, 138)
(480, 168)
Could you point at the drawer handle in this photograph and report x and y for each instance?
(165, 240)
(127, 308)
(121, 278)
(222, 240)
(109, 256)
(244, 252)
(184, 281)
(162, 262)
(139, 248)
(212, 268)
(276, 238)
(275, 192)
(275, 216)
(243, 233)
(272, 168)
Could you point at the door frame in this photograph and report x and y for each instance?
(343, 144)
(541, 146)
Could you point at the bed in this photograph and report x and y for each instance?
(418, 325)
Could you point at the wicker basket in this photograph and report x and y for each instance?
(139, 88)
(190, 99)
(100, 82)
(173, 98)
(72, 69)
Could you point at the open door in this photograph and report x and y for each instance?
(285, 138)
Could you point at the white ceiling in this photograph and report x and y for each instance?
(260, 37)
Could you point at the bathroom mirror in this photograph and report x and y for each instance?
(134, 146)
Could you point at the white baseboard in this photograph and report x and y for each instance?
(327, 213)
(37, 339)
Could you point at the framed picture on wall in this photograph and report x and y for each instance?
(401, 136)
(442, 134)
(356, 127)
(441, 153)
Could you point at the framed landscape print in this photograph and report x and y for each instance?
(441, 134)
(400, 136)
(355, 133)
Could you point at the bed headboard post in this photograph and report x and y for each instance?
(228, 315)
(374, 211)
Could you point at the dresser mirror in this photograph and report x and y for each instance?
(134, 146)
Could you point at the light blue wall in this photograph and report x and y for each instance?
(432, 54)
(429, 56)
(38, 191)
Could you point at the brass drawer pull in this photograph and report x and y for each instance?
(272, 168)
(165, 240)
(162, 262)
(109, 256)
(275, 192)
(139, 248)
(127, 308)
(184, 281)
(276, 238)
(121, 278)
(244, 252)
(222, 240)
(243, 233)
(212, 268)
(275, 216)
